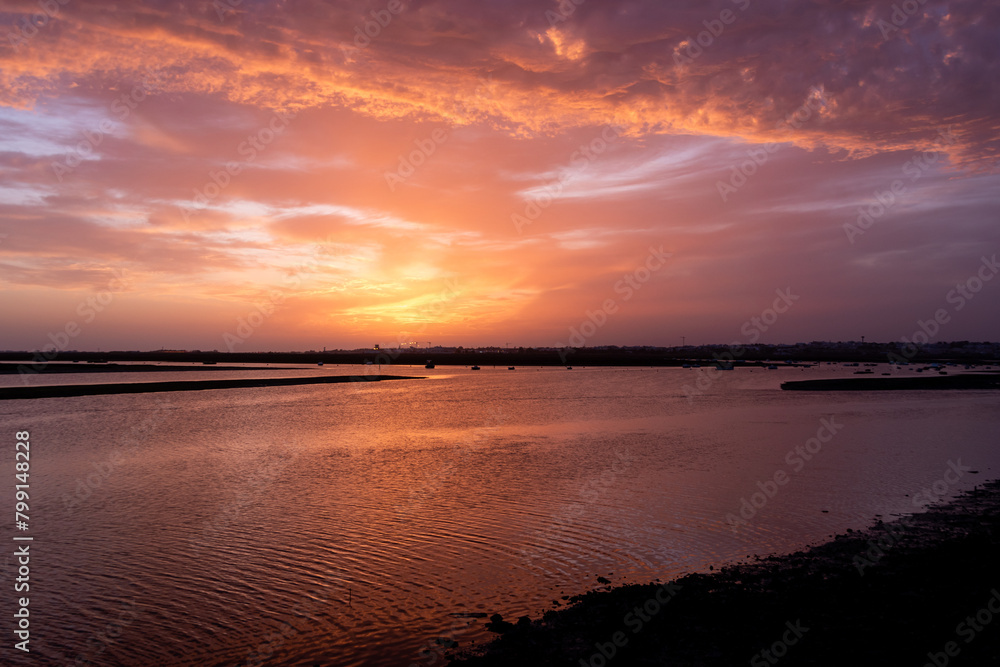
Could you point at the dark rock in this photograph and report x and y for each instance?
(498, 625)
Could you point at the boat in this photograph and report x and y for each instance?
(320, 363)
(510, 368)
(475, 368)
(429, 364)
(569, 368)
(772, 367)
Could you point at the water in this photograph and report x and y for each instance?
(362, 524)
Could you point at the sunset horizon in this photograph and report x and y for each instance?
(572, 333)
(414, 171)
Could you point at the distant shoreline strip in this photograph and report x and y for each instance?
(969, 381)
(13, 368)
(61, 391)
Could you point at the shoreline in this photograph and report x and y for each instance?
(710, 355)
(903, 592)
(934, 382)
(10, 368)
(66, 390)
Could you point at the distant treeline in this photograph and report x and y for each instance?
(631, 356)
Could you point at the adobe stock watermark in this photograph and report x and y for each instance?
(432, 652)
(99, 642)
(223, 8)
(757, 157)
(371, 28)
(753, 328)
(635, 620)
(796, 460)
(579, 161)
(890, 536)
(937, 491)
(893, 193)
(99, 472)
(590, 492)
(930, 495)
(435, 309)
(486, 87)
(88, 309)
(248, 149)
(264, 308)
(968, 629)
(691, 48)
(29, 25)
(626, 287)
(958, 298)
(779, 649)
(436, 478)
(121, 107)
(409, 163)
(247, 326)
(562, 13)
(254, 486)
(901, 13)
(277, 638)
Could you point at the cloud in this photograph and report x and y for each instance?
(148, 105)
(725, 69)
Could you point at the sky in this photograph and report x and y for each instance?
(294, 175)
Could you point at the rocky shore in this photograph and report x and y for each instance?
(921, 590)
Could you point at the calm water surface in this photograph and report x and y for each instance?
(363, 524)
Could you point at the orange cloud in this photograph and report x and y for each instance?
(165, 182)
(680, 69)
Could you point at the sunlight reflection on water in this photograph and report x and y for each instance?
(353, 524)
